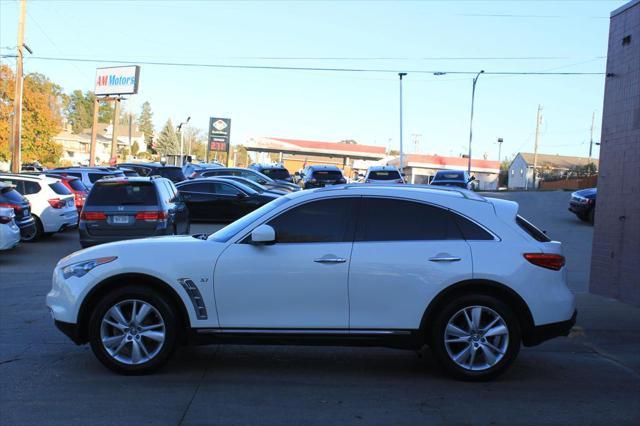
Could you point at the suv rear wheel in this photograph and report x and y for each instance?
(133, 330)
(38, 232)
(476, 337)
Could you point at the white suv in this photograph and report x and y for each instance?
(400, 266)
(383, 174)
(52, 204)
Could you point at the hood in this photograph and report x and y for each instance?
(587, 193)
(166, 244)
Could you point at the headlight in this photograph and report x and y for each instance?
(80, 269)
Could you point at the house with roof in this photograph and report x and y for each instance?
(76, 147)
(421, 168)
(521, 168)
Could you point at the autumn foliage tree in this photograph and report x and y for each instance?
(41, 118)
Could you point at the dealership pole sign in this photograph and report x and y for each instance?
(219, 134)
(117, 80)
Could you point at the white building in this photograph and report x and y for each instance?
(521, 168)
(421, 169)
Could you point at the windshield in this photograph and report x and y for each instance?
(384, 175)
(11, 195)
(223, 235)
(282, 174)
(449, 176)
(113, 193)
(327, 175)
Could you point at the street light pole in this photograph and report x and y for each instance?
(500, 140)
(182, 140)
(401, 74)
(473, 97)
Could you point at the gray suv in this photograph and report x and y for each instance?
(127, 208)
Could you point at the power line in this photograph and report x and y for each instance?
(300, 68)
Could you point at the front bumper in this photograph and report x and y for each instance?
(546, 332)
(72, 331)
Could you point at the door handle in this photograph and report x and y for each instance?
(444, 259)
(330, 260)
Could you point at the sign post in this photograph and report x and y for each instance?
(219, 136)
(111, 84)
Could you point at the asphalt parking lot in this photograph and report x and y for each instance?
(591, 377)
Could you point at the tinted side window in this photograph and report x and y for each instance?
(321, 221)
(93, 177)
(59, 188)
(226, 189)
(32, 187)
(532, 230)
(470, 230)
(205, 187)
(385, 219)
(74, 174)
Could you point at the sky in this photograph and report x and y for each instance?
(399, 36)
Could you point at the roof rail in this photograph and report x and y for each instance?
(470, 195)
(36, 175)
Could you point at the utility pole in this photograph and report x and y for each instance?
(473, 98)
(16, 145)
(94, 132)
(401, 74)
(535, 147)
(500, 140)
(593, 122)
(182, 140)
(114, 135)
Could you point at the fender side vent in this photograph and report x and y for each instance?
(196, 298)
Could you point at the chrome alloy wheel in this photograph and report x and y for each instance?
(132, 332)
(476, 338)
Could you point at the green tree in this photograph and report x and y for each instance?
(135, 147)
(167, 140)
(145, 123)
(78, 110)
(41, 118)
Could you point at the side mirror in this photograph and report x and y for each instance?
(263, 234)
(471, 179)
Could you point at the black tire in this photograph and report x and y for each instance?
(591, 216)
(439, 348)
(188, 230)
(164, 309)
(583, 217)
(38, 234)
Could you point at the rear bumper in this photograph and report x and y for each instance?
(546, 332)
(87, 240)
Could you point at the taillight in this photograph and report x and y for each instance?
(57, 203)
(546, 260)
(11, 206)
(152, 216)
(93, 216)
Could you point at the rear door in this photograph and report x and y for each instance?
(405, 252)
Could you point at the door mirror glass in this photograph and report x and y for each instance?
(263, 234)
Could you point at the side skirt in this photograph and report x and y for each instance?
(401, 339)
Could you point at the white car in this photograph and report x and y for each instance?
(383, 174)
(461, 273)
(52, 204)
(9, 231)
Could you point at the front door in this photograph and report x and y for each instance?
(300, 282)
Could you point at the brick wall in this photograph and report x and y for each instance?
(615, 264)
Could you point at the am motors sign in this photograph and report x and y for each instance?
(117, 80)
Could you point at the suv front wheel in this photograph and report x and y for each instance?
(133, 330)
(476, 337)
